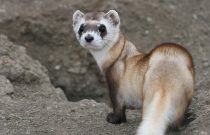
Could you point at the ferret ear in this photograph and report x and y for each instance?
(113, 16)
(77, 16)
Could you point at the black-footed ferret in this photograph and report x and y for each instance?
(161, 82)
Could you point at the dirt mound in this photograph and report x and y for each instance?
(23, 77)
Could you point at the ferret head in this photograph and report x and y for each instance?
(96, 30)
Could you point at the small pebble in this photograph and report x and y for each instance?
(195, 16)
(57, 67)
(149, 19)
(146, 32)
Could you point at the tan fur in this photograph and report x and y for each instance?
(140, 79)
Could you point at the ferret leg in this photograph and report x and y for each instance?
(118, 115)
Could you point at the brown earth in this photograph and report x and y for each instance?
(44, 29)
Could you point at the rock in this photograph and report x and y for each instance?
(17, 66)
(77, 70)
(57, 67)
(27, 76)
(6, 89)
(149, 19)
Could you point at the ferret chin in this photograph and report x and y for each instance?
(160, 83)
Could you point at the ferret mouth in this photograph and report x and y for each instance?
(91, 46)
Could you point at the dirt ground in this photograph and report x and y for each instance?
(44, 28)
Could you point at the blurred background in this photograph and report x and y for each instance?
(44, 28)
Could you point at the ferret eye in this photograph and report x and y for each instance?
(102, 28)
(81, 29)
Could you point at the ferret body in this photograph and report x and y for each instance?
(160, 83)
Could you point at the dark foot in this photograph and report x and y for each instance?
(115, 118)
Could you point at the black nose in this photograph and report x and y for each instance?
(89, 38)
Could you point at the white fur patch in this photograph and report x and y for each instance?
(153, 124)
(77, 26)
(108, 41)
(95, 44)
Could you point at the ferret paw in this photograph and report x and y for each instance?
(115, 118)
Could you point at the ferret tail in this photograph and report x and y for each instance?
(156, 116)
